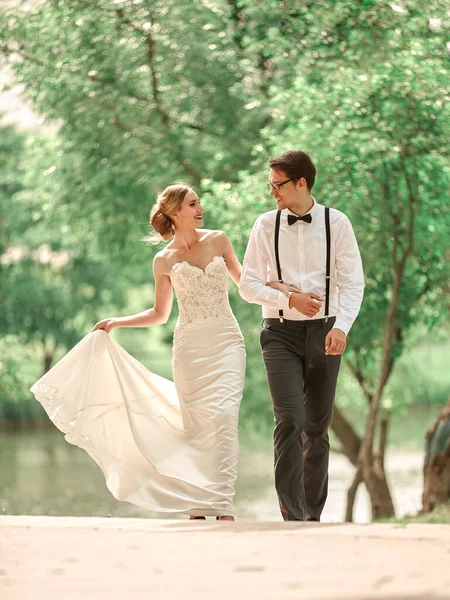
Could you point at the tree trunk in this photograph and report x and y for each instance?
(380, 497)
(48, 360)
(436, 471)
(371, 465)
(350, 445)
(378, 488)
(351, 496)
(350, 442)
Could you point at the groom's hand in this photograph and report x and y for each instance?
(307, 303)
(335, 342)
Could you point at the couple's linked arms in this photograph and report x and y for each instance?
(309, 304)
(160, 312)
(254, 287)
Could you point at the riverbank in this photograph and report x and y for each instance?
(44, 475)
(48, 558)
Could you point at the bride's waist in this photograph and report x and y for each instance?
(207, 322)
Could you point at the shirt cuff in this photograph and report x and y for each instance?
(342, 325)
(283, 301)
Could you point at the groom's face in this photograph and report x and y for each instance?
(287, 193)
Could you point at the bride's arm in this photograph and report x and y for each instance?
(153, 316)
(283, 287)
(233, 265)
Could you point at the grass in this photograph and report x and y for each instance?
(440, 515)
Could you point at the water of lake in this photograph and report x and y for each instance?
(41, 474)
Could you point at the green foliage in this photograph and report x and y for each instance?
(10, 355)
(144, 93)
(374, 114)
(440, 514)
(421, 376)
(54, 280)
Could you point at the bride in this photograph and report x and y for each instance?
(166, 446)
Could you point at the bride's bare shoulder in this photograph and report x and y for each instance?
(211, 232)
(214, 235)
(216, 240)
(163, 261)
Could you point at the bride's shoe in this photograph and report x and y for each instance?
(225, 518)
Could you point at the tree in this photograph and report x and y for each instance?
(370, 103)
(147, 93)
(144, 95)
(436, 471)
(55, 279)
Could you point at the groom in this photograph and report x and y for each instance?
(303, 266)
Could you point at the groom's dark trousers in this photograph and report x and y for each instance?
(302, 383)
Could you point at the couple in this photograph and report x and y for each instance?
(173, 446)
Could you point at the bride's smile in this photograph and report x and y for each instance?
(166, 446)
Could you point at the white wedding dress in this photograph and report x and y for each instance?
(168, 447)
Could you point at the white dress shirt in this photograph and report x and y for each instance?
(302, 250)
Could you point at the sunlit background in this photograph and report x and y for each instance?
(105, 102)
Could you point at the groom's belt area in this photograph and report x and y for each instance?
(289, 323)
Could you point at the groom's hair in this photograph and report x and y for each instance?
(296, 164)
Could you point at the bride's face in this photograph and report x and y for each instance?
(189, 216)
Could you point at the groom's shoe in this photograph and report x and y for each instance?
(192, 518)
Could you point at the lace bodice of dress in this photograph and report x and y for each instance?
(202, 295)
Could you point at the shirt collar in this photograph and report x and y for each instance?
(313, 210)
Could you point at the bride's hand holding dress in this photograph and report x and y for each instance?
(157, 315)
(168, 447)
(105, 325)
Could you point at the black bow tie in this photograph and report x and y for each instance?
(293, 219)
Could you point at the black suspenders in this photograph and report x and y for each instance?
(277, 256)
(327, 276)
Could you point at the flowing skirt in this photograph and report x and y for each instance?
(165, 446)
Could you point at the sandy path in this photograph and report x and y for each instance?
(70, 558)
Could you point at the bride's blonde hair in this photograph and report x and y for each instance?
(168, 202)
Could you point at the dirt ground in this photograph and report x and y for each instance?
(74, 558)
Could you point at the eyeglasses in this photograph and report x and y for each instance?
(277, 186)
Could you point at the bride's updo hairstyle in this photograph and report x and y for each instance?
(168, 202)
